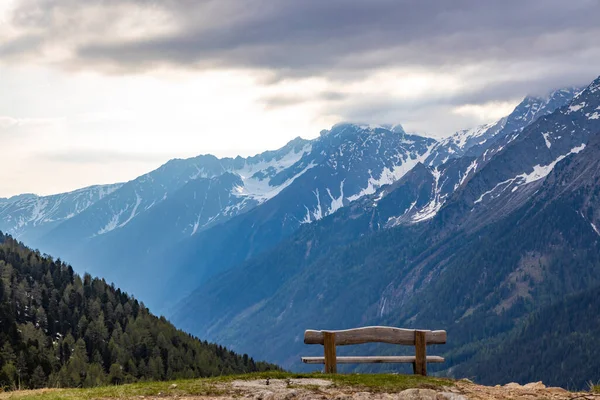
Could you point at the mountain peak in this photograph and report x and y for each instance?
(21, 197)
(591, 89)
(595, 85)
(346, 127)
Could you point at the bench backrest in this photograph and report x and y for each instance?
(375, 334)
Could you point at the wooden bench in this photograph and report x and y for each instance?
(375, 334)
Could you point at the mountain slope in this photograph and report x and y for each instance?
(474, 142)
(460, 270)
(458, 144)
(345, 164)
(29, 217)
(474, 148)
(509, 171)
(139, 196)
(244, 216)
(58, 329)
(562, 338)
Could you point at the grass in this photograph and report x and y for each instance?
(218, 386)
(596, 389)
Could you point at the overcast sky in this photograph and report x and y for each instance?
(99, 91)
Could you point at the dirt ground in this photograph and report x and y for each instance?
(302, 389)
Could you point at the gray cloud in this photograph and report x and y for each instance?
(520, 46)
(22, 44)
(88, 156)
(320, 37)
(317, 37)
(285, 100)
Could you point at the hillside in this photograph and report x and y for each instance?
(59, 329)
(565, 334)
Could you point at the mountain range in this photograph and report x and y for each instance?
(193, 214)
(475, 233)
(493, 239)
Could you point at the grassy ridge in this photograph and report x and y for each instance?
(219, 386)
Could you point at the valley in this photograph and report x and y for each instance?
(481, 233)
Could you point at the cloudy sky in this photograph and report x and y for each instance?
(99, 91)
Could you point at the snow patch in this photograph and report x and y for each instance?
(338, 203)
(138, 201)
(259, 187)
(379, 197)
(595, 228)
(461, 138)
(432, 208)
(576, 107)
(546, 136)
(261, 190)
(390, 175)
(111, 225)
(539, 172)
(471, 168)
(382, 309)
(315, 215)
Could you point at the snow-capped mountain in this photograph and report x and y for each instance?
(351, 161)
(231, 208)
(550, 115)
(27, 217)
(473, 142)
(453, 161)
(137, 197)
(510, 171)
(204, 215)
(517, 231)
(459, 143)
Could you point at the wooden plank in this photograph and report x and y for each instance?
(420, 365)
(330, 356)
(372, 359)
(379, 334)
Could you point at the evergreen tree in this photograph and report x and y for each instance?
(60, 330)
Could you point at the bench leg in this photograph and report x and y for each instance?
(420, 365)
(330, 353)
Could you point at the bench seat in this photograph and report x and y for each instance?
(372, 359)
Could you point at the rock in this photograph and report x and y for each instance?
(173, 386)
(292, 394)
(360, 396)
(450, 396)
(418, 394)
(557, 390)
(264, 395)
(535, 385)
(513, 385)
